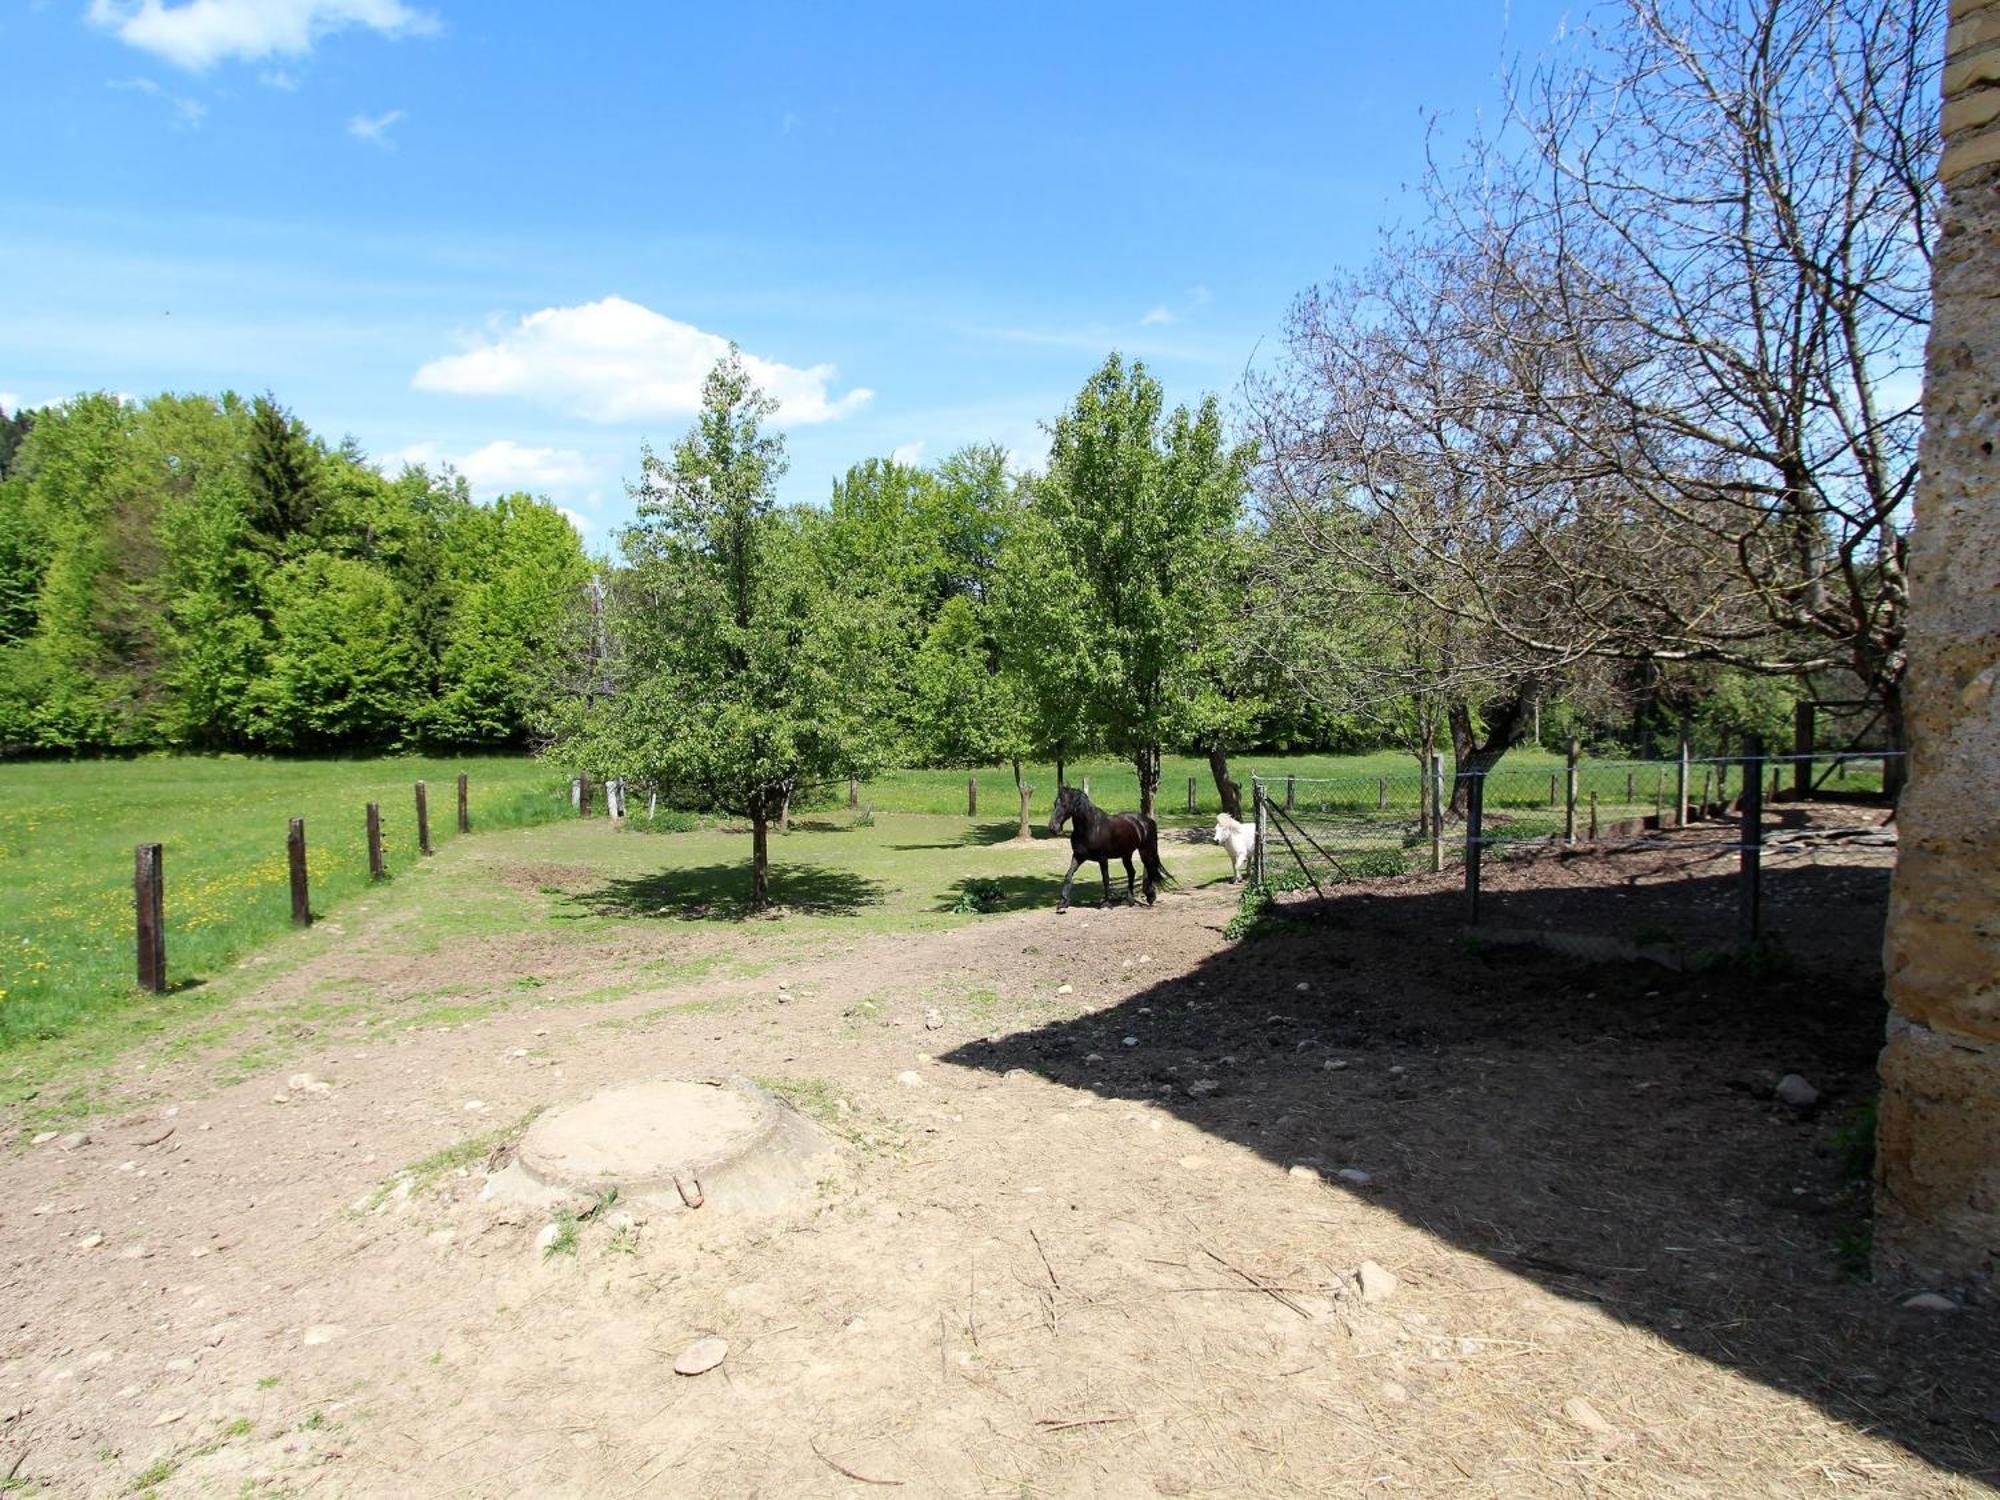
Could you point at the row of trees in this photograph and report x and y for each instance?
(742, 653)
(205, 574)
(1624, 427)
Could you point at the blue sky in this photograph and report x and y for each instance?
(511, 235)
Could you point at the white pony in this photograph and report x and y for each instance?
(1240, 839)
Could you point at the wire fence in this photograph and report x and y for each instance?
(1714, 820)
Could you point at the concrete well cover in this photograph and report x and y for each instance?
(727, 1146)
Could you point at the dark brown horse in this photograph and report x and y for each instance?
(1095, 834)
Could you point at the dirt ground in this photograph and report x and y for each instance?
(1099, 1246)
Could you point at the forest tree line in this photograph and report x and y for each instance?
(202, 573)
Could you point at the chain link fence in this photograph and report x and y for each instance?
(1590, 853)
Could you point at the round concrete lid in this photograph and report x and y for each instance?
(642, 1136)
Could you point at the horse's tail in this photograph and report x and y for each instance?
(1149, 851)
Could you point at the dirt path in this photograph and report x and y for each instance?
(1097, 1248)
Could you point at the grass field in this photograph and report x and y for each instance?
(67, 831)
(1114, 783)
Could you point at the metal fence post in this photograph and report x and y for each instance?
(295, 856)
(1802, 746)
(1437, 812)
(1257, 807)
(1750, 879)
(1681, 784)
(1475, 822)
(1569, 795)
(149, 901)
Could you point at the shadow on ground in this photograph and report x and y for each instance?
(722, 892)
(1006, 892)
(1608, 1131)
(976, 836)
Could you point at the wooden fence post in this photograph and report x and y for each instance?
(423, 820)
(1707, 780)
(295, 856)
(1569, 794)
(1552, 789)
(1381, 793)
(1660, 798)
(1802, 747)
(1593, 817)
(1291, 793)
(1191, 794)
(1777, 780)
(1475, 827)
(972, 796)
(583, 795)
(1437, 812)
(1629, 797)
(853, 793)
(376, 869)
(464, 806)
(149, 899)
(1750, 878)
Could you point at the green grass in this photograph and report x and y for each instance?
(67, 832)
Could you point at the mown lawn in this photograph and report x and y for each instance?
(67, 832)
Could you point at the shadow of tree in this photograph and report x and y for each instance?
(721, 892)
(978, 836)
(1016, 892)
(1608, 1131)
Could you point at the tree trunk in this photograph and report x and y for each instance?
(1470, 757)
(1148, 763)
(760, 857)
(1061, 780)
(785, 814)
(1225, 786)
(1895, 769)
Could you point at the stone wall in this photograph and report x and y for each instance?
(1938, 1158)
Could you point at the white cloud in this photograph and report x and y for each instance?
(502, 466)
(909, 455)
(616, 361)
(583, 524)
(280, 79)
(9, 402)
(1200, 296)
(374, 129)
(187, 112)
(200, 33)
(505, 465)
(1157, 317)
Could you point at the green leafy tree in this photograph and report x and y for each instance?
(345, 666)
(284, 474)
(1145, 508)
(736, 673)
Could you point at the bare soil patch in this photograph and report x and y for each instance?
(1075, 1244)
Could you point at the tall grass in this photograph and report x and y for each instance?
(67, 831)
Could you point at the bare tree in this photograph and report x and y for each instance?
(1651, 367)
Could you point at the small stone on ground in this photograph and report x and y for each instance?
(701, 1356)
